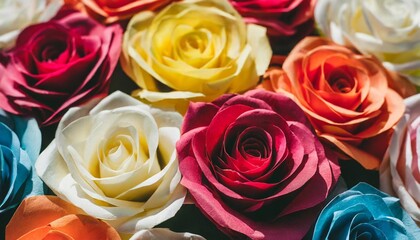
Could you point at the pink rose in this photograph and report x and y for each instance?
(254, 165)
(287, 21)
(400, 169)
(116, 10)
(58, 64)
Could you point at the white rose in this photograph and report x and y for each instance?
(388, 29)
(163, 233)
(19, 14)
(400, 170)
(116, 160)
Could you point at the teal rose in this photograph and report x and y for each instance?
(20, 144)
(364, 212)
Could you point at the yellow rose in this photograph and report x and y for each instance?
(194, 49)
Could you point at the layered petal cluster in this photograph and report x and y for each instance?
(49, 217)
(287, 21)
(163, 233)
(364, 212)
(254, 166)
(194, 48)
(116, 160)
(58, 64)
(345, 95)
(400, 171)
(20, 144)
(113, 11)
(389, 30)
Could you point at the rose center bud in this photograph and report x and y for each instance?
(253, 147)
(365, 230)
(119, 148)
(193, 41)
(192, 46)
(120, 151)
(52, 52)
(52, 47)
(247, 152)
(341, 83)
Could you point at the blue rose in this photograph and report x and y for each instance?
(364, 212)
(20, 144)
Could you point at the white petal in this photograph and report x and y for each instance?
(260, 46)
(162, 233)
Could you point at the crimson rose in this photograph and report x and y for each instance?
(287, 21)
(254, 166)
(58, 64)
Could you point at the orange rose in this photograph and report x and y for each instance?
(345, 95)
(110, 11)
(49, 217)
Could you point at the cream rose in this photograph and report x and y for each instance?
(194, 48)
(18, 14)
(388, 29)
(116, 160)
(164, 233)
(400, 170)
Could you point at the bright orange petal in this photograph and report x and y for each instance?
(367, 160)
(44, 209)
(45, 233)
(84, 227)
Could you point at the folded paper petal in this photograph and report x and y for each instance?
(163, 233)
(399, 172)
(116, 159)
(390, 32)
(364, 211)
(252, 164)
(287, 21)
(37, 76)
(18, 15)
(20, 143)
(44, 217)
(345, 95)
(170, 51)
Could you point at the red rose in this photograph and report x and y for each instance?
(110, 11)
(254, 166)
(58, 64)
(287, 21)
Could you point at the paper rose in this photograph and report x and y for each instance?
(163, 233)
(116, 160)
(287, 21)
(344, 94)
(57, 65)
(113, 11)
(388, 30)
(254, 166)
(195, 48)
(49, 217)
(20, 143)
(364, 212)
(19, 14)
(400, 172)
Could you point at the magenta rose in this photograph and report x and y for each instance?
(287, 21)
(254, 165)
(58, 64)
